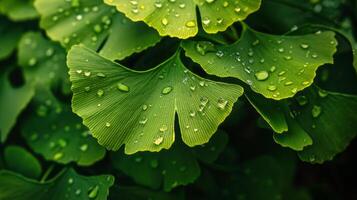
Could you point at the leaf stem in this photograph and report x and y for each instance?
(47, 173)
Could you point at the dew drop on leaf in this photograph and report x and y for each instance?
(166, 90)
(122, 87)
(261, 75)
(159, 140)
(93, 192)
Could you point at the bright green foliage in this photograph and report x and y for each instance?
(13, 101)
(53, 131)
(178, 18)
(66, 185)
(18, 10)
(94, 24)
(311, 117)
(274, 66)
(105, 93)
(174, 167)
(21, 161)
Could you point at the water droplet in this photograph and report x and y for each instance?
(322, 93)
(316, 111)
(83, 147)
(122, 87)
(219, 54)
(163, 128)
(78, 191)
(192, 113)
(261, 75)
(164, 21)
(158, 140)
(101, 75)
(304, 46)
(272, 88)
(93, 192)
(154, 163)
(144, 107)
(222, 103)
(166, 90)
(204, 101)
(190, 24)
(100, 93)
(87, 73)
(62, 143)
(302, 100)
(288, 83)
(70, 181)
(143, 120)
(57, 155)
(107, 124)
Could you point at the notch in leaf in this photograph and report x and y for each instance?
(122, 106)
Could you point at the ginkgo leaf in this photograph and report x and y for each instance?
(178, 18)
(19, 160)
(8, 37)
(12, 101)
(66, 185)
(170, 168)
(274, 66)
(52, 130)
(311, 118)
(96, 25)
(122, 106)
(43, 61)
(18, 10)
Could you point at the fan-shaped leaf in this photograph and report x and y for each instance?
(311, 118)
(122, 106)
(275, 66)
(53, 131)
(174, 167)
(67, 185)
(96, 25)
(19, 160)
(178, 18)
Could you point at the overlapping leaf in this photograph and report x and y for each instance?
(18, 10)
(67, 185)
(174, 167)
(122, 106)
(43, 62)
(275, 66)
(96, 25)
(9, 36)
(12, 101)
(311, 120)
(19, 160)
(178, 18)
(53, 131)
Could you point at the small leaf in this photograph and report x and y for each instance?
(122, 106)
(172, 168)
(96, 25)
(179, 18)
(274, 66)
(67, 185)
(19, 160)
(12, 101)
(52, 130)
(18, 10)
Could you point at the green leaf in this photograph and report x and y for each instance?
(52, 130)
(179, 18)
(174, 167)
(311, 118)
(96, 25)
(10, 33)
(122, 106)
(43, 61)
(274, 66)
(140, 193)
(19, 160)
(12, 101)
(67, 185)
(18, 10)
